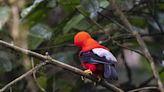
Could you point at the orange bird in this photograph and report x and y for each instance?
(95, 58)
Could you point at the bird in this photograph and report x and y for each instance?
(95, 58)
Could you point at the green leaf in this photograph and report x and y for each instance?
(4, 15)
(162, 76)
(72, 23)
(82, 25)
(69, 5)
(63, 85)
(63, 38)
(42, 80)
(38, 34)
(65, 56)
(161, 6)
(145, 65)
(90, 6)
(27, 10)
(104, 3)
(137, 21)
(36, 14)
(52, 3)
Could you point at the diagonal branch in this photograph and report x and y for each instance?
(89, 19)
(128, 71)
(62, 65)
(144, 88)
(125, 47)
(22, 76)
(34, 76)
(139, 39)
(150, 79)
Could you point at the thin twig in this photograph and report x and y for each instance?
(128, 71)
(62, 65)
(10, 89)
(144, 88)
(22, 76)
(34, 76)
(158, 23)
(89, 19)
(141, 42)
(150, 79)
(139, 52)
(114, 21)
(130, 36)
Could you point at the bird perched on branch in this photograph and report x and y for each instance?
(95, 58)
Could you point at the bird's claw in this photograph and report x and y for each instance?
(88, 71)
(99, 78)
(82, 78)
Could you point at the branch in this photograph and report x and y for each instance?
(122, 46)
(149, 79)
(62, 65)
(114, 21)
(141, 42)
(158, 23)
(130, 36)
(22, 76)
(128, 71)
(144, 88)
(34, 76)
(120, 37)
(89, 19)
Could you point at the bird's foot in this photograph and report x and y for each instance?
(94, 83)
(88, 71)
(82, 78)
(99, 78)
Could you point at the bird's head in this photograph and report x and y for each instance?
(86, 42)
(80, 38)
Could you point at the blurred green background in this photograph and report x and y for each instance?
(50, 25)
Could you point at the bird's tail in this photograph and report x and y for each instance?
(110, 72)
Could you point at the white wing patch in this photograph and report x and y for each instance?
(104, 53)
